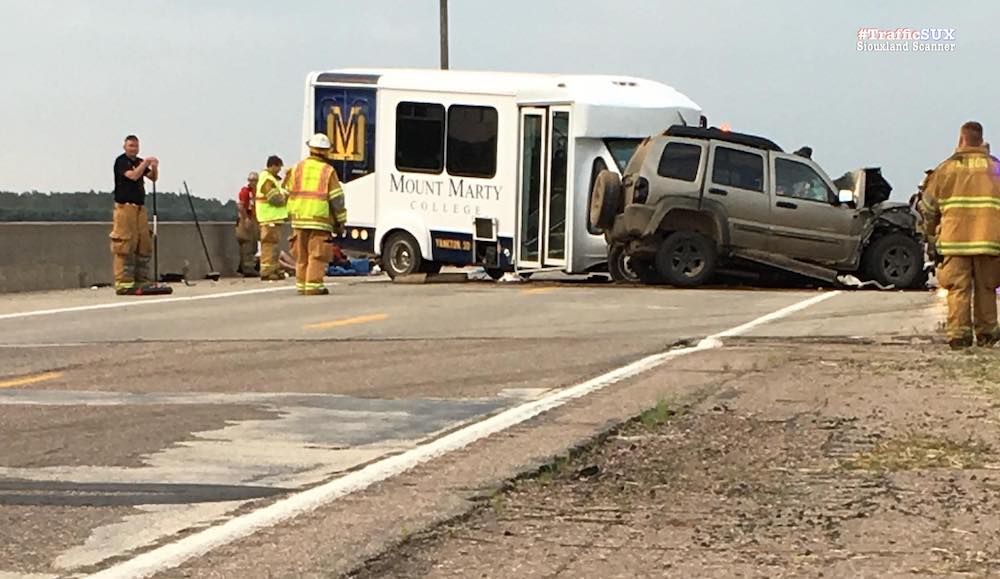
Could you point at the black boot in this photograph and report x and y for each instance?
(960, 343)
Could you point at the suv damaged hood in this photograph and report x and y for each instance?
(868, 185)
(899, 214)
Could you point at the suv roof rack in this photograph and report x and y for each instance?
(720, 135)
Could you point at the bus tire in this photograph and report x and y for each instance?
(430, 267)
(620, 266)
(401, 255)
(605, 200)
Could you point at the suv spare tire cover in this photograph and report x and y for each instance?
(605, 199)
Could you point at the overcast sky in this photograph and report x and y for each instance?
(214, 86)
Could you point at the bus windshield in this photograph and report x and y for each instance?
(621, 150)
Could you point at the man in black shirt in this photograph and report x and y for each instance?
(131, 242)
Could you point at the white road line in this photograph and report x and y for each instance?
(174, 554)
(145, 301)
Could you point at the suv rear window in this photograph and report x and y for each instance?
(680, 161)
(738, 169)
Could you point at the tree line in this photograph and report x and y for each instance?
(97, 206)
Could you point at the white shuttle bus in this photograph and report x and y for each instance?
(481, 168)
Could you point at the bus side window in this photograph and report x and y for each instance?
(472, 141)
(420, 137)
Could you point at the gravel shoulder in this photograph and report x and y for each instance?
(836, 460)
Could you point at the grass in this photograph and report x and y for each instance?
(550, 472)
(498, 502)
(920, 451)
(657, 415)
(981, 367)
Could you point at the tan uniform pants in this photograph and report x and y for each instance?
(972, 283)
(246, 235)
(312, 254)
(131, 245)
(270, 237)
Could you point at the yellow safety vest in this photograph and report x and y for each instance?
(309, 198)
(264, 206)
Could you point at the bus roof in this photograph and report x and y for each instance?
(598, 90)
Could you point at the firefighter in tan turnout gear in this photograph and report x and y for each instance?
(246, 226)
(316, 210)
(270, 205)
(961, 208)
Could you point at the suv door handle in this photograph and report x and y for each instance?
(786, 205)
(717, 191)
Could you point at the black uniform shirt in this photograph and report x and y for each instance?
(127, 190)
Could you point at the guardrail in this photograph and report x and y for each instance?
(60, 255)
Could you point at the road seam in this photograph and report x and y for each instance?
(174, 554)
(144, 301)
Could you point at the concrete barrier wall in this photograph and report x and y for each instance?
(43, 256)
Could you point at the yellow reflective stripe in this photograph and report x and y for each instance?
(308, 195)
(311, 226)
(338, 192)
(308, 219)
(968, 247)
(970, 203)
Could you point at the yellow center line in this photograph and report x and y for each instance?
(347, 322)
(26, 380)
(538, 290)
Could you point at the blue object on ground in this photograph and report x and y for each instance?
(358, 267)
(362, 266)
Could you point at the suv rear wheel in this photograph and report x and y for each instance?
(686, 259)
(895, 259)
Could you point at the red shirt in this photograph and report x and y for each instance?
(246, 200)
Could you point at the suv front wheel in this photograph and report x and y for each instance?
(897, 260)
(686, 259)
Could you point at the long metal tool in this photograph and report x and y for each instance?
(156, 288)
(156, 245)
(212, 274)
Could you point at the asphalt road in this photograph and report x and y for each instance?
(129, 421)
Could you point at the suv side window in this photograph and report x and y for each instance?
(680, 161)
(740, 169)
(800, 181)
